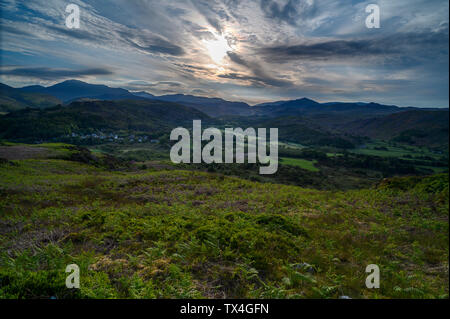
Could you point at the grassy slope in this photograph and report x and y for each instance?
(424, 128)
(12, 99)
(387, 150)
(173, 234)
(92, 116)
(305, 164)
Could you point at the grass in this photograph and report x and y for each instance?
(305, 164)
(187, 234)
(137, 152)
(17, 151)
(435, 170)
(383, 149)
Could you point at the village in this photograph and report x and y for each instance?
(102, 138)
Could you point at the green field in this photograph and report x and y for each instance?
(159, 233)
(394, 151)
(305, 164)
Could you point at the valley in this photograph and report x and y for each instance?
(89, 181)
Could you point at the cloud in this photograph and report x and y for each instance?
(236, 58)
(152, 44)
(291, 12)
(260, 76)
(399, 44)
(281, 48)
(257, 81)
(214, 12)
(73, 33)
(44, 73)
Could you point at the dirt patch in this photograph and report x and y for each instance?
(23, 152)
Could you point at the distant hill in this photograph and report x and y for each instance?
(301, 130)
(418, 127)
(12, 99)
(214, 107)
(71, 90)
(74, 90)
(304, 121)
(307, 106)
(130, 115)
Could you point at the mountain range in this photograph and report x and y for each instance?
(299, 120)
(73, 90)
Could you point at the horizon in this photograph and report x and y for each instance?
(250, 51)
(234, 101)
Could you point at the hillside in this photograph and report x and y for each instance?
(70, 90)
(214, 107)
(303, 121)
(110, 116)
(160, 233)
(307, 106)
(416, 127)
(302, 130)
(12, 99)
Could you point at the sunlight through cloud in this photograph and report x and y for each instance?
(218, 48)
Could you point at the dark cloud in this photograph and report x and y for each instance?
(291, 12)
(53, 74)
(236, 58)
(151, 44)
(398, 44)
(79, 34)
(215, 15)
(257, 81)
(198, 31)
(170, 83)
(133, 37)
(260, 75)
(326, 50)
(160, 83)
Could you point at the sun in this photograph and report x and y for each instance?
(218, 48)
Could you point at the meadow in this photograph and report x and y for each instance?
(305, 164)
(154, 232)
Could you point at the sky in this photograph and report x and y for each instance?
(250, 50)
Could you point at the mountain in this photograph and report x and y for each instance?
(71, 90)
(213, 107)
(12, 99)
(305, 120)
(144, 95)
(307, 106)
(416, 127)
(131, 115)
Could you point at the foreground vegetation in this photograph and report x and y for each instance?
(155, 232)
